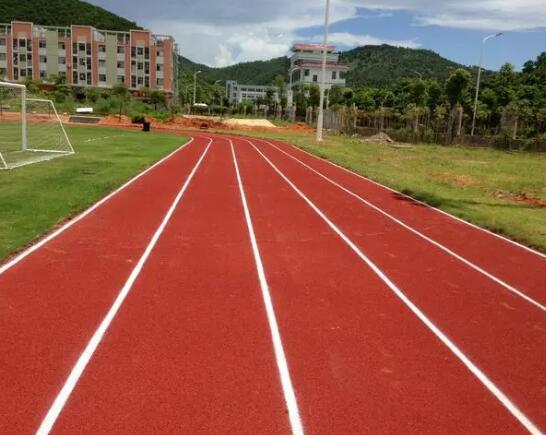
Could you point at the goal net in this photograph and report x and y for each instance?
(30, 129)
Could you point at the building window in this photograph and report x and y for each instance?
(140, 66)
(82, 61)
(75, 77)
(133, 51)
(121, 79)
(160, 82)
(2, 56)
(89, 79)
(62, 74)
(147, 82)
(146, 53)
(159, 53)
(315, 78)
(102, 77)
(306, 73)
(22, 43)
(62, 46)
(23, 57)
(82, 77)
(121, 49)
(62, 60)
(121, 64)
(42, 43)
(334, 75)
(140, 81)
(43, 59)
(140, 51)
(81, 47)
(133, 81)
(43, 74)
(102, 63)
(102, 48)
(2, 42)
(23, 73)
(159, 67)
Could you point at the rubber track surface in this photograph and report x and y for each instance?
(190, 350)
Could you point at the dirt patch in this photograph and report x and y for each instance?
(383, 138)
(523, 197)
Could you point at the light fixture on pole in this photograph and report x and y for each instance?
(487, 38)
(195, 86)
(320, 119)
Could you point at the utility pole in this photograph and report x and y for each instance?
(320, 120)
(195, 86)
(487, 38)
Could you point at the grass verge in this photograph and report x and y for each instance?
(502, 191)
(35, 198)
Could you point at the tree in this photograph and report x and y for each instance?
(121, 91)
(158, 98)
(456, 90)
(314, 95)
(335, 95)
(92, 94)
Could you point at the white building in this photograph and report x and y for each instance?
(237, 93)
(306, 67)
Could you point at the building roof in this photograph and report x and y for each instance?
(312, 47)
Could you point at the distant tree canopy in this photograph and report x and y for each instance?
(62, 13)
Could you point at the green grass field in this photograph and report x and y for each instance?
(498, 190)
(34, 198)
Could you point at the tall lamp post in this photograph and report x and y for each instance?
(320, 120)
(487, 38)
(195, 74)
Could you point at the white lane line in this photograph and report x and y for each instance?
(77, 371)
(282, 364)
(416, 232)
(449, 215)
(87, 212)
(481, 376)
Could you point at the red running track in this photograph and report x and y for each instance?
(248, 287)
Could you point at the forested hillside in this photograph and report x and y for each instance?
(371, 65)
(380, 65)
(62, 13)
(256, 73)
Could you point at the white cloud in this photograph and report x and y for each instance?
(352, 40)
(220, 32)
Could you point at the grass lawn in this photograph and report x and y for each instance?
(34, 198)
(499, 190)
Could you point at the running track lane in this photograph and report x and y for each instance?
(190, 350)
(359, 359)
(522, 268)
(502, 333)
(53, 299)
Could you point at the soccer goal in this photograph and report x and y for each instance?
(30, 129)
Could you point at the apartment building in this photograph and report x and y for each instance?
(88, 57)
(237, 93)
(306, 67)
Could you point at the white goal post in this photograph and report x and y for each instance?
(30, 128)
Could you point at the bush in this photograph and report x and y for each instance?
(138, 119)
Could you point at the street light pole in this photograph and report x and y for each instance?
(195, 86)
(320, 120)
(487, 38)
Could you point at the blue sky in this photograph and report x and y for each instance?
(460, 45)
(221, 32)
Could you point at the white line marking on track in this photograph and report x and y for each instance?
(282, 364)
(90, 210)
(77, 371)
(416, 232)
(491, 233)
(481, 376)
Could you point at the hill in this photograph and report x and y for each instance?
(255, 73)
(370, 65)
(380, 65)
(62, 13)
